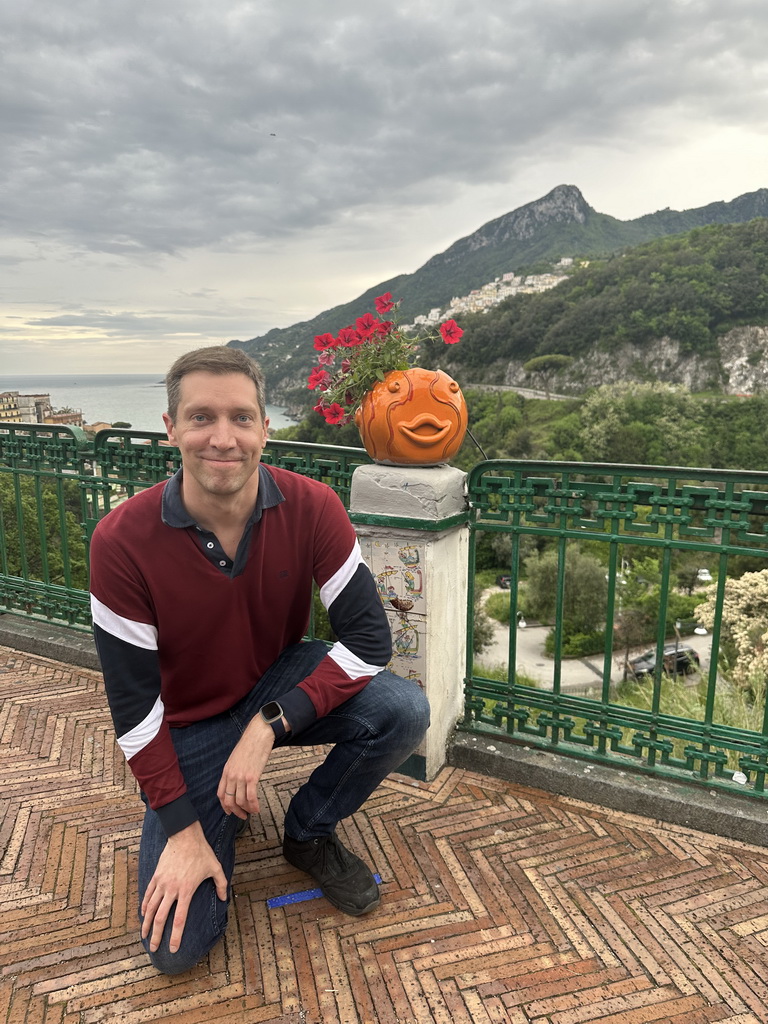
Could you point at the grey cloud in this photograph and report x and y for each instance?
(153, 128)
(105, 322)
(211, 320)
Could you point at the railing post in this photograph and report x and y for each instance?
(411, 522)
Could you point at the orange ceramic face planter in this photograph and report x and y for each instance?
(413, 417)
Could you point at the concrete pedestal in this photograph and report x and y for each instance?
(410, 524)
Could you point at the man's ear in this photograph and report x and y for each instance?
(169, 428)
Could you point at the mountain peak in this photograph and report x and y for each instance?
(564, 204)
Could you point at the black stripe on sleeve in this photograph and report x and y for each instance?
(358, 619)
(131, 677)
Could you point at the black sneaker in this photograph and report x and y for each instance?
(344, 879)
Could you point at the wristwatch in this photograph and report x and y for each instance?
(272, 714)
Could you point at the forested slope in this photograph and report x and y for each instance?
(692, 288)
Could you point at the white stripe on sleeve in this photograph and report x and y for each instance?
(140, 634)
(331, 590)
(351, 664)
(143, 733)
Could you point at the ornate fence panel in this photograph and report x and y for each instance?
(44, 476)
(622, 513)
(55, 485)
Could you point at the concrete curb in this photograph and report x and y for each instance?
(696, 807)
(56, 642)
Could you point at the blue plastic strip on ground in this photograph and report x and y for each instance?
(300, 897)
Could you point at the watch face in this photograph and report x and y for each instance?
(271, 712)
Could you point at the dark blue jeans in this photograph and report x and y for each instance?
(373, 733)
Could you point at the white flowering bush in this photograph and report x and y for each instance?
(744, 629)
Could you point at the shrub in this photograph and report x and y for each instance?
(482, 630)
(499, 674)
(577, 645)
(497, 606)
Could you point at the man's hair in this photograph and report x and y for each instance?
(217, 359)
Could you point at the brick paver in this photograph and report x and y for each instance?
(501, 904)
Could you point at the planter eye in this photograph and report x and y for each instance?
(393, 386)
(453, 386)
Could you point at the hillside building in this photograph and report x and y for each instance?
(491, 294)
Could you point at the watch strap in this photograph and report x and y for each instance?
(278, 728)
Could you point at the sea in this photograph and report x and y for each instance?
(135, 398)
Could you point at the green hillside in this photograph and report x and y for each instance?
(559, 224)
(692, 288)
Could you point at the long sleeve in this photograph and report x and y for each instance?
(348, 591)
(126, 641)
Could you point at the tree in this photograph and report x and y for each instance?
(644, 423)
(546, 368)
(585, 590)
(37, 512)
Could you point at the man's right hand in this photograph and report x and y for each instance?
(184, 864)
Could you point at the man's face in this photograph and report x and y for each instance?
(220, 433)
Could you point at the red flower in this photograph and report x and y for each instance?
(318, 379)
(385, 327)
(348, 337)
(345, 365)
(451, 332)
(326, 358)
(384, 303)
(366, 325)
(334, 413)
(323, 341)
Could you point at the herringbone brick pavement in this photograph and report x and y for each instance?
(501, 905)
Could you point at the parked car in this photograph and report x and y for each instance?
(687, 661)
(704, 576)
(503, 582)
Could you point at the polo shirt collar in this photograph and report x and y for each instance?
(174, 513)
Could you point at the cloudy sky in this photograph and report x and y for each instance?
(183, 172)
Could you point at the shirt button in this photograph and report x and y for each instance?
(209, 544)
(222, 563)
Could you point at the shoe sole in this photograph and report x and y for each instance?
(353, 911)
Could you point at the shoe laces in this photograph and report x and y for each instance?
(332, 856)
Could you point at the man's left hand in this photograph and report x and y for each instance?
(238, 788)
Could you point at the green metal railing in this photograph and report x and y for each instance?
(612, 510)
(55, 484)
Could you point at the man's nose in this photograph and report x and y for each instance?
(222, 434)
